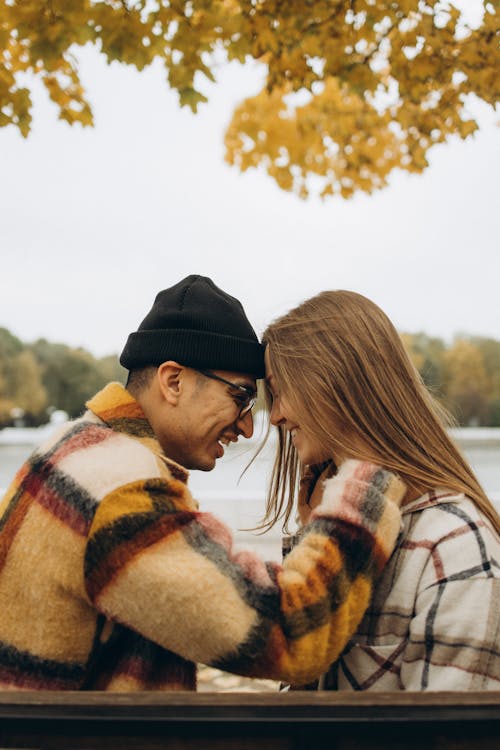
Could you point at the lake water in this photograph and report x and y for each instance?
(238, 498)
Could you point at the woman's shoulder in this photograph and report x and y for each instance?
(444, 510)
(450, 525)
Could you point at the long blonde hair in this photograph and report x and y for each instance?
(343, 367)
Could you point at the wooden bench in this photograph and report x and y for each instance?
(247, 721)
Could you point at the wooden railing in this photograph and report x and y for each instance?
(247, 721)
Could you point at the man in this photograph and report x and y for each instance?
(110, 576)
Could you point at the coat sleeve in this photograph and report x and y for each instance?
(173, 575)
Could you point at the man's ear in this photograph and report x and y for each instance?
(170, 381)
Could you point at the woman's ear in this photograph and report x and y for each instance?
(170, 381)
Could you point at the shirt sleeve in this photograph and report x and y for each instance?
(173, 575)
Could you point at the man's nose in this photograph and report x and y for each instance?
(245, 425)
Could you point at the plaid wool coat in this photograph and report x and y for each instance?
(433, 622)
(111, 577)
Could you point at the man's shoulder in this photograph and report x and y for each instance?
(99, 459)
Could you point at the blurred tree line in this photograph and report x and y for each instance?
(464, 376)
(37, 378)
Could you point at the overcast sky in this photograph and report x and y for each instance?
(94, 222)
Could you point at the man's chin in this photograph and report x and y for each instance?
(205, 465)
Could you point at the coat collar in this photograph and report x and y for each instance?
(117, 408)
(120, 411)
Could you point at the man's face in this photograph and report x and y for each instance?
(208, 417)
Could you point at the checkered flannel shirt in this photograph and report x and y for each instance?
(433, 623)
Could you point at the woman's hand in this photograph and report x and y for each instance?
(311, 487)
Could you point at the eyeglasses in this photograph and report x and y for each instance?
(246, 398)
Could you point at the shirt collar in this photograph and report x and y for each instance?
(434, 497)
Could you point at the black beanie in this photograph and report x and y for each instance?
(198, 325)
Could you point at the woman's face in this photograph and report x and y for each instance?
(307, 445)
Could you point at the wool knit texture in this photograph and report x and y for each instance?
(111, 578)
(199, 325)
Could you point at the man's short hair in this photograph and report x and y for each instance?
(140, 379)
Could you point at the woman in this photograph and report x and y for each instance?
(342, 386)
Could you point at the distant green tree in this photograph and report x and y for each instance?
(71, 376)
(110, 369)
(6, 402)
(427, 355)
(21, 386)
(10, 345)
(28, 391)
(52, 358)
(465, 376)
(490, 350)
(466, 382)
